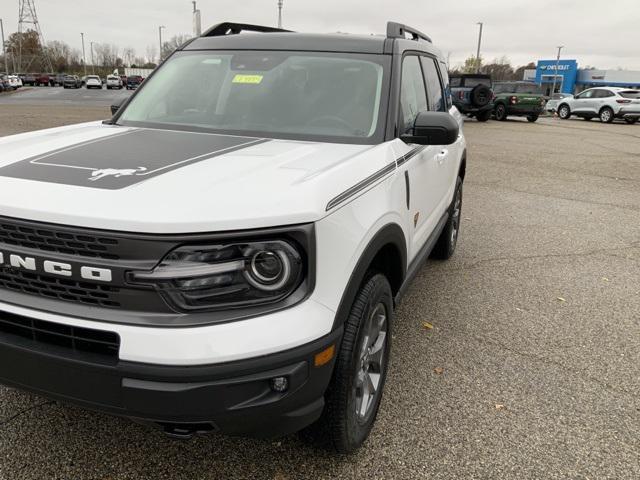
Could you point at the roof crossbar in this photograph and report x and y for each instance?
(228, 28)
(398, 30)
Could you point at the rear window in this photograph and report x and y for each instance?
(474, 82)
(532, 89)
(630, 93)
(455, 81)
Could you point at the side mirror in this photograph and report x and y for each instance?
(116, 107)
(433, 128)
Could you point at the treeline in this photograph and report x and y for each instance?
(499, 68)
(25, 54)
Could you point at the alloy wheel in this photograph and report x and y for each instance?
(371, 362)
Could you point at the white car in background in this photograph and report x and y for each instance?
(93, 81)
(14, 81)
(114, 81)
(606, 103)
(554, 101)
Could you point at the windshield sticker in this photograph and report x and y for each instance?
(125, 158)
(248, 79)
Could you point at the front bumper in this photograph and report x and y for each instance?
(234, 398)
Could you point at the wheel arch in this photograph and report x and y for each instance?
(385, 253)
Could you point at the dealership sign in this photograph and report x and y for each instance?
(563, 72)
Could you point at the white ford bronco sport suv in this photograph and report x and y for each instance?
(226, 252)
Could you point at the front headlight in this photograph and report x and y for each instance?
(232, 275)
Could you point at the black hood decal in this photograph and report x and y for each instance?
(124, 159)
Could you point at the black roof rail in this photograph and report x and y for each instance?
(398, 30)
(229, 28)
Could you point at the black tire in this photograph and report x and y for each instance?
(631, 121)
(532, 118)
(340, 427)
(564, 112)
(480, 96)
(483, 116)
(606, 115)
(448, 239)
(587, 118)
(501, 112)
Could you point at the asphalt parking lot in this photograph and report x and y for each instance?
(531, 369)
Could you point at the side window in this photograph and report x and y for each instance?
(413, 98)
(603, 94)
(434, 88)
(447, 87)
(586, 94)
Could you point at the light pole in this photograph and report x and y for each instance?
(479, 43)
(84, 58)
(555, 74)
(4, 51)
(160, 37)
(93, 68)
(280, 13)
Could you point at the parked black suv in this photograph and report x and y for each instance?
(473, 95)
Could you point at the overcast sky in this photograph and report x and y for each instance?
(602, 34)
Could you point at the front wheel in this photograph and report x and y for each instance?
(564, 112)
(532, 118)
(501, 112)
(606, 115)
(448, 239)
(355, 392)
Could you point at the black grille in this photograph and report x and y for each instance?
(59, 288)
(74, 339)
(51, 240)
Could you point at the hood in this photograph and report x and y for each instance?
(161, 181)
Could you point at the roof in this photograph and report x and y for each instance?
(236, 36)
(292, 41)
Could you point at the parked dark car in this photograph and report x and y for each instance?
(4, 84)
(133, 82)
(520, 99)
(43, 80)
(72, 81)
(29, 79)
(473, 95)
(57, 80)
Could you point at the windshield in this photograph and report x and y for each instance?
(273, 94)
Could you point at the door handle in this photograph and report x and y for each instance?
(442, 156)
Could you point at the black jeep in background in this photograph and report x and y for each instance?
(472, 95)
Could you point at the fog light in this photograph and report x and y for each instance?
(279, 384)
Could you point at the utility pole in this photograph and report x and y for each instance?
(555, 74)
(93, 68)
(160, 37)
(280, 13)
(479, 43)
(84, 58)
(4, 51)
(197, 22)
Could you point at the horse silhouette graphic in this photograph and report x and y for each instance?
(116, 173)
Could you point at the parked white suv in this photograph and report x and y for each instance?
(226, 254)
(93, 81)
(606, 103)
(114, 81)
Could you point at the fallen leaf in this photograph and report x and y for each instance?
(438, 370)
(519, 309)
(427, 325)
(605, 279)
(499, 406)
(562, 299)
